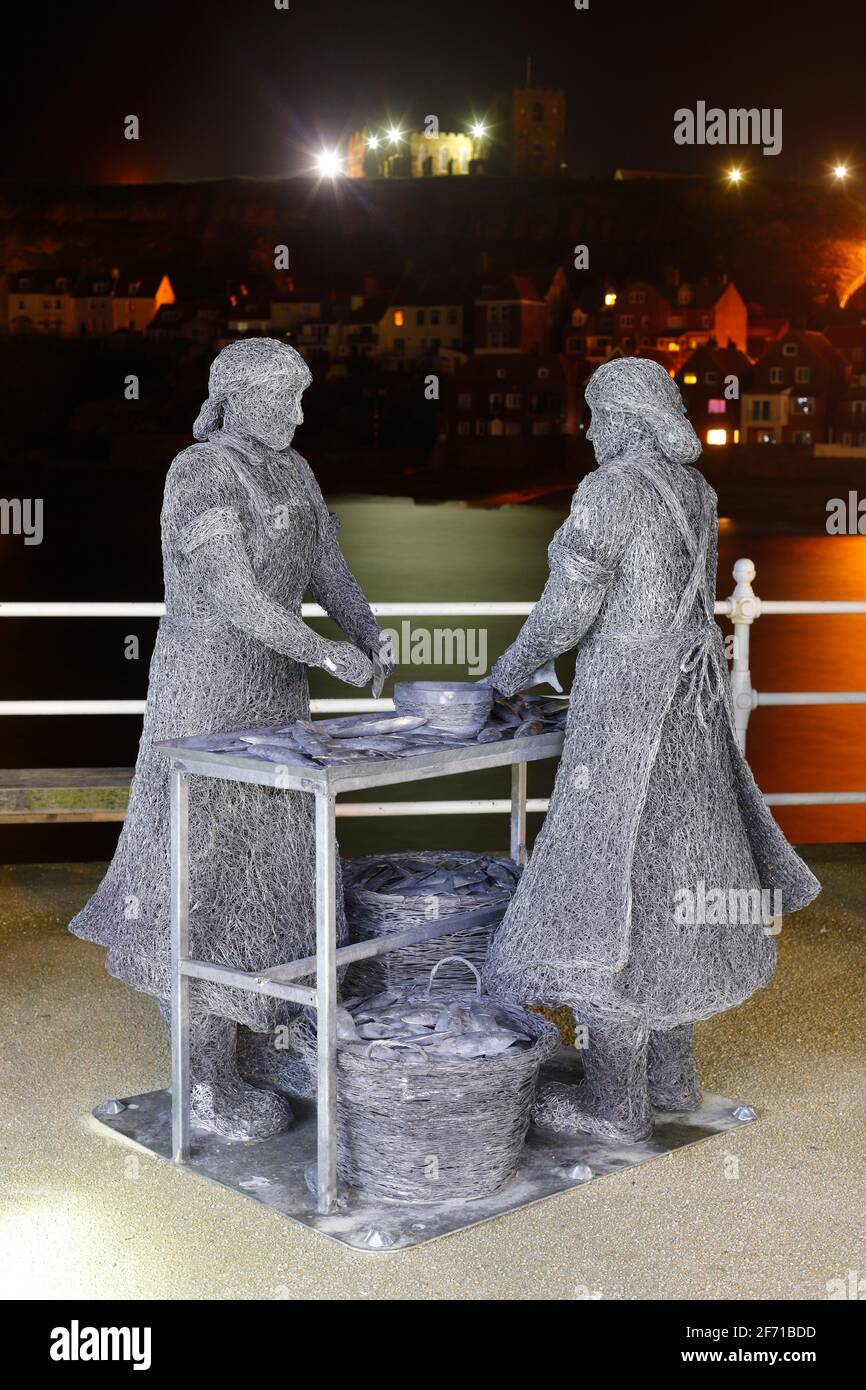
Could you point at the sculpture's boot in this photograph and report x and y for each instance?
(671, 1072)
(612, 1100)
(221, 1101)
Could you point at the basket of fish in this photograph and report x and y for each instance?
(387, 893)
(434, 1090)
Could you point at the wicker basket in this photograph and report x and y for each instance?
(434, 1130)
(370, 915)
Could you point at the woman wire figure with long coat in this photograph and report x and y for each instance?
(655, 886)
(245, 531)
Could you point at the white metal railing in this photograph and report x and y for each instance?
(743, 608)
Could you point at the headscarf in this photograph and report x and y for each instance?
(636, 396)
(248, 362)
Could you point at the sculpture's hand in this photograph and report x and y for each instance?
(348, 663)
(383, 666)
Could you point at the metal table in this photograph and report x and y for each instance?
(280, 981)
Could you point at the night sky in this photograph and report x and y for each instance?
(236, 87)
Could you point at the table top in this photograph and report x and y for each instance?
(434, 761)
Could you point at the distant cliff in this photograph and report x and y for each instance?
(785, 244)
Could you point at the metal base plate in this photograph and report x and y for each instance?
(278, 1172)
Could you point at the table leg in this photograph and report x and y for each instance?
(180, 1079)
(326, 999)
(518, 812)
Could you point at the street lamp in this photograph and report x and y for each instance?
(373, 142)
(395, 135)
(735, 175)
(329, 164)
(840, 172)
(479, 130)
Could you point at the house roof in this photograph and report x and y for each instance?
(728, 360)
(512, 288)
(845, 336)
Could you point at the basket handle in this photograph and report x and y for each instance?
(446, 960)
(392, 1042)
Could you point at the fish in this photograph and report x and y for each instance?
(421, 1016)
(476, 1044)
(455, 1018)
(359, 725)
(275, 739)
(371, 743)
(284, 755)
(491, 734)
(379, 1029)
(500, 874)
(215, 743)
(347, 1030)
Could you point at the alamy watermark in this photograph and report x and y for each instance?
(729, 907)
(711, 125)
(22, 516)
(438, 646)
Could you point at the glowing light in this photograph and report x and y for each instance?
(395, 135)
(841, 172)
(735, 175)
(329, 164)
(609, 300)
(673, 347)
(690, 379)
(373, 142)
(398, 318)
(479, 129)
(717, 436)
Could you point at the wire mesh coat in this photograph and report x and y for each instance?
(652, 795)
(245, 532)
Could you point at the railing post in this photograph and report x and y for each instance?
(745, 608)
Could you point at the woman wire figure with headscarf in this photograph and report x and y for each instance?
(655, 886)
(245, 531)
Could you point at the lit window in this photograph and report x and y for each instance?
(717, 407)
(674, 347)
(717, 436)
(609, 300)
(690, 379)
(398, 318)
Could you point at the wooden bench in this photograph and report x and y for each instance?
(35, 795)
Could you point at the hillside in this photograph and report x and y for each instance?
(785, 244)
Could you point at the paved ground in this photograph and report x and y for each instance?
(84, 1217)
